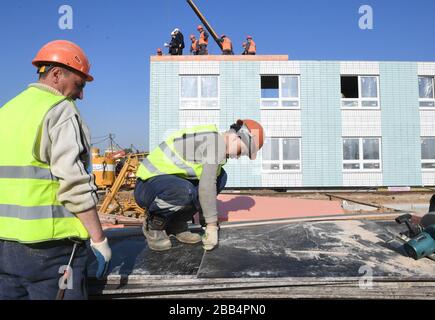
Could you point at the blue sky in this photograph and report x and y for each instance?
(120, 36)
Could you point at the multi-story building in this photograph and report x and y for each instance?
(328, 123)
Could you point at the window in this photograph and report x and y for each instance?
(360, 91)
(426, 91)
(361, 154)
(199, 92)
(281, 154)
(428, 153)
(280, 91)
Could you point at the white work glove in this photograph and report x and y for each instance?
(210, 237)
(166, 44)
(103, 253)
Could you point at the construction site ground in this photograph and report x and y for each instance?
(355, 254)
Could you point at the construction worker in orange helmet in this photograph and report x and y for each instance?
(159, 52)
(173, 191)
(54, 212)
(203, 41)
(227, 45)
(194, 47)
(251, 48)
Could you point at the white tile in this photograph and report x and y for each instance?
(281, 180)
(280, 67)
(426, 68)
(359, 67)
(201, 67)
(359, 179)
(281, 123)
(361, 123)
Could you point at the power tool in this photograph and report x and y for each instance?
(421, 242)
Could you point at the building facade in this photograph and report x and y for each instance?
(328, 123)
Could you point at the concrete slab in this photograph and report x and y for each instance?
(313, 249)
(132, 257)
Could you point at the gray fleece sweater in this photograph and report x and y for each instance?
(65, 146)
(210, 150)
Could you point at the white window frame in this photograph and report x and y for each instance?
(280, 98)
(199, 99)
(361, 161)
(427, 160)
(281, 162)
(425, 99)
(360, 99)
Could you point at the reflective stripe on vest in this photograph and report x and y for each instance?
(165, 160)
(29, 209)
(29, 172)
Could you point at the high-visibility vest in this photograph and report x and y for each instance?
(252, 47)
(227, 45)
(165, 159)
(202, 39)
(29, 209)
(194, 46)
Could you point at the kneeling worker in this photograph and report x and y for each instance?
(184, 175)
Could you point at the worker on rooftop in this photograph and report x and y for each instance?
(227, 45)
(159, 52)
(194, 47)
(48, 196)
(203, 41)
(176, 45)
(244, 48)
(184, 175)
(251, 48)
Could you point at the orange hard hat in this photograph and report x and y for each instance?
(65, 53)
(192, 36)
(199, 27)
(248, 37)
(251, 131)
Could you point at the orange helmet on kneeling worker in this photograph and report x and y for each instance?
(252, 135)
(65, 53)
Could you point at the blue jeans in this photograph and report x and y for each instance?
(172, 200)
(31, 272)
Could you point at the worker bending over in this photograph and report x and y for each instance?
(203, 41)
(227, 45)
(48, 196)
(251, 48)
(184, 175)
(194, 47)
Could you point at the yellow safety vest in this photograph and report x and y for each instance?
(165, 159)
(29, 209)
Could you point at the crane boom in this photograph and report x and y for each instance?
(205, 22)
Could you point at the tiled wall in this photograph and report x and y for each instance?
(401, 152)
(240, 99)
(164, 101)
(320, 122)
(322, 152)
